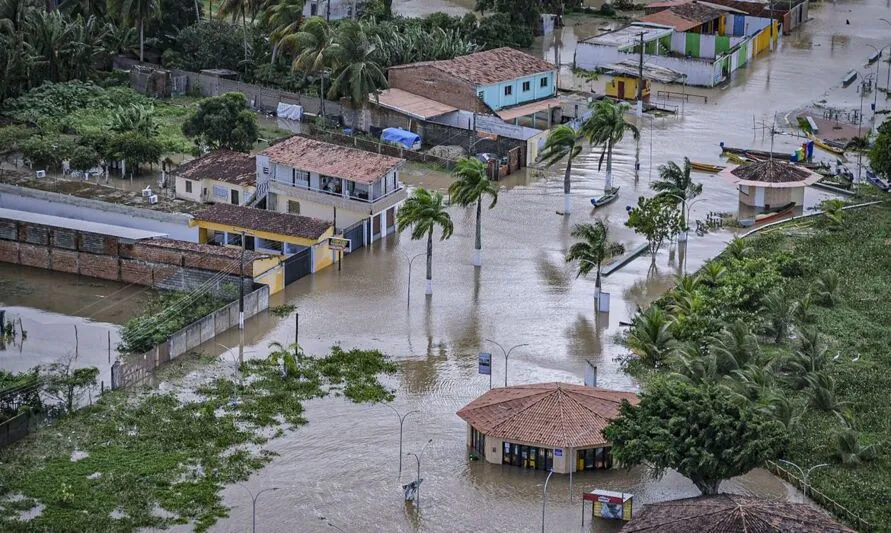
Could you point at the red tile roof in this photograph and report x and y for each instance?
(251, 218)
(331, 160)
(559, 415)
(492, 66)
(683, 17)
(224, 165)
(730, 513)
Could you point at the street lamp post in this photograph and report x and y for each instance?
(685, 210)
(401, 422)
(804, 475)
(506, 355)
(417, 457)
(875, 96)
(544, 500)
(254, 498)
(888, 82)
(410, 261)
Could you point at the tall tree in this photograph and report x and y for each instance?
(675, 182)
(236, 8)
(593, 249)
(563, 141)
(357, 74)
(472, 185)
(702, 431)
(223, 122)
(606, 128)
(283, 20)
(136, 12)
(423, 212)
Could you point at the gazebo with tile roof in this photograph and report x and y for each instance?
(544, 426)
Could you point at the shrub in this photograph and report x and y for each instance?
(210, 44)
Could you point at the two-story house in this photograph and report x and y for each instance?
(358, 191)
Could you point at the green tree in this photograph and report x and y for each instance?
(135, 149)
(495, 31)
(310, 45)
(235, 8)
(699, 430)
(779, 311)
(83, 158)
(283, 20)
(136, 118)
(472, 185)
(676, 183)
(563, 142)
(650, 339)
(606, 128)
(356, 72)
(223, 122)
(423, 211)
(880, 154)
(206, 45)
(66, 384)
(656, 219)
(136, 12)
(593, 248)
(45, 152)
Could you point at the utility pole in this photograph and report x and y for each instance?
(241, 303)
(640, 78)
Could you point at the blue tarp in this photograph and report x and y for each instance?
(399, 136)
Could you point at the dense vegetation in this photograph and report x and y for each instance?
(144, 450)
(792, 325)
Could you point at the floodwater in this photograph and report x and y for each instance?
(340, 471)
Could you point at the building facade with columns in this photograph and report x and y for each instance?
(545, 426)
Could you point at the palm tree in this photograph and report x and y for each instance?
(136, 11)
(735, 347)
(283, 19)
(607, 127)
(676, 183)
(235, 8)
(780, 312)
(827, 288)
(472, 185)
(424, 211)
(310, 45)
(650, 338)
(563, 141)
(356, 74)
(593, 249)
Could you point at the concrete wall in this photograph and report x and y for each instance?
(436, 85)
(206, 191)
(174, 225)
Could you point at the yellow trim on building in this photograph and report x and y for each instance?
(266, 235)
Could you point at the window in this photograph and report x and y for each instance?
(265, 170)
(508, 90)
(188, 186)
(530, 457)
(293, 207)
(526, 86)
(313, 9)
(482, 95)
(234, 197)
(543, 82)
(299, 176)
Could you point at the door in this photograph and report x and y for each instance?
(375, 226)
(356, 235)
(621, 93)
(391, 217)
(298, 265)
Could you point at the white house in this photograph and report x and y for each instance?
(334, 9)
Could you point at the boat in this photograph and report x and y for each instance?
(826, 147)
(609, 195)
(873, 57)
(755, 154)
(705, 167)
(849, 78)
(877, 181)
(769, 216)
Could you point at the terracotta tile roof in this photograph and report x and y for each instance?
(251, 218)
(684, 17)
(560, 415)
(730, 513)
(491, 66)
(331, 160)
(224, 165)
(206, 249)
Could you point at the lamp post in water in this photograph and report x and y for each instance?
(254, 498)
(401, 422)
(417, 457)
(506, 355)
(804, 475)
(544, 500)
(410, 261)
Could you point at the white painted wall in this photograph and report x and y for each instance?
(707, 46)
(459, 119)
(679, 43)
(590, 56)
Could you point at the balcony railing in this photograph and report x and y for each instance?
(356, 195)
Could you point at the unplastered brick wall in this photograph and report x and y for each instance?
(437, 85)
(164, 264)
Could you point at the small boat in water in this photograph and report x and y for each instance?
(877, 181)
(825, 146)
(769, 216)
(609, 195)
(849, 78)
(705, 167)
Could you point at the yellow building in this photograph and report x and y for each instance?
(221, 176)
(297, 245)
(625, 88)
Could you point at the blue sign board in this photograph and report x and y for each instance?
(558, 452)
(485, 363)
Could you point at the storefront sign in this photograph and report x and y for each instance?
(337, 244)
(485, 364)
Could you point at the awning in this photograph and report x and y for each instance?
(411, 104)
(528, 109)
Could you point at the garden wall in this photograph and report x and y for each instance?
(137, 369)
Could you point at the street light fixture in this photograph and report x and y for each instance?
(254, 504)
(506, 355)
(804, 475)
(544, 500)
(410, 261)
(685, 210)
(417, 457)
(401, 422)
(875, 97)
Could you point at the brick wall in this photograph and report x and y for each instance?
(437, 85)
(105, 257)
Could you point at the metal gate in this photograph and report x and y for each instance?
(356, 235)
(298, 265)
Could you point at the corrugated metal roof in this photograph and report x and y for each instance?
(528, 109)
(559, 415)
(412, 104)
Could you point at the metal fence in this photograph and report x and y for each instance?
(15, 429)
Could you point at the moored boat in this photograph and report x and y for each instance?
(849, 78)
(608, 196)
(826, 147)
(705, 167)
(877, 181)
(769, 216)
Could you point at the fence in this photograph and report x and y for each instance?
(825, 501)
(137, 369)
(374, 146)
(15, 429)
(259, 97)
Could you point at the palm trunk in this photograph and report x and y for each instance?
(274, 52)
(609, 166)
(428, 289)
(197, 12)
(597, 284)
(244, 31)
(478, 253)
(141, 39)
(567, 199)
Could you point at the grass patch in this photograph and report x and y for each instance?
(150, 450)
(283, 310)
